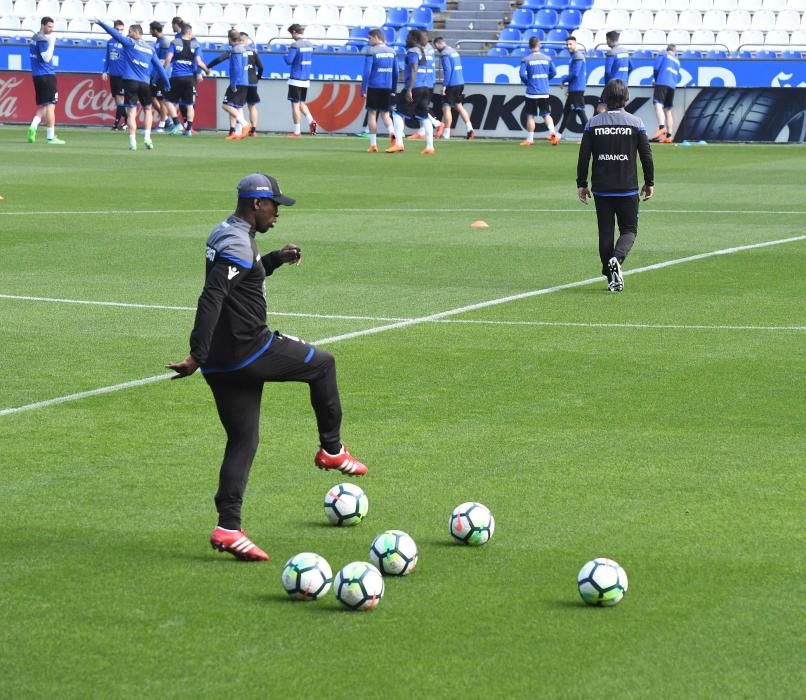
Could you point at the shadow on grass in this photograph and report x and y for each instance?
(320, 607)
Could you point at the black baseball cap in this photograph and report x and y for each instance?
(262, 186)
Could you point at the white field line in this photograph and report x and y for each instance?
(419, 320)
(481, 322)
(646, 209)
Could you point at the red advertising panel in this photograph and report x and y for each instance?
(83, 99)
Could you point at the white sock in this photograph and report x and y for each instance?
(429, 134)
(530, 136)
(147, 135)
(373, 139)
(400, 126)
(51, 132)
(297, 129)
(447, 133)
(161, 124)
(421, 130)
(36, 121)
(133, 141)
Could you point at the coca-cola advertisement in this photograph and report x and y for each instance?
(83, 99)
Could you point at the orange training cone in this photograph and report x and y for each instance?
(479, 224)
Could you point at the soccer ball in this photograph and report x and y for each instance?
(394, 553)
(346, 504)
(359, 586)
(472, 523)
(602, 582)
(306, 576)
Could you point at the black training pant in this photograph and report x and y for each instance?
(237, 396)
(574, 106)
(608, 211)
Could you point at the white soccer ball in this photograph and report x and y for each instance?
(359, 586)
(394, 553)
(602, 582)
(346, 504)
(472, 523)
(306, 576)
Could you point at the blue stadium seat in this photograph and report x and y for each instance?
(422, 18)
(397, 16)
(792, 55)
(548, 51)
(744, 53)
(533, 31)
(400, 49)
(642, 53)
(498, 51)
(557, 4)
(522, 19)
(349, 48)
(520, 51)
(766, 54)
(691, 53)
(435, 5)
(278, 48)
(596, 53)
(360, 32)
(569, 19)
(534, 4)
(509, 38)
(557, 36)
(389, 33)
(580, 5)
(546, 19)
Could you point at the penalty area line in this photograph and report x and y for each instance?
(420, 319)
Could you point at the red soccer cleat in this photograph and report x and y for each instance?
(439, 130)
(417, 136)
(343, 462)
(470, 135)
(312, 128)
(659, 135)
(395, 149)
(238, 544)
(427, 152)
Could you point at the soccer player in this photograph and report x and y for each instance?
(535, 72)
(139, 60)
(576, 80)
(378, 85)
(299, 57)
(187, 63)
(453, 85)
(113, 72)
(235, 97)
(238, 354)
(415, 100)
(617, 63)
(255, 68)
(612, 139)
(43, 71)
(166, 114)
(666, 73)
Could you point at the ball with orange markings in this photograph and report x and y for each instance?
(472, 523)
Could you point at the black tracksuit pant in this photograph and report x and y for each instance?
(237, 396)
(608, 211)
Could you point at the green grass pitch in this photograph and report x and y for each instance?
(663, 427)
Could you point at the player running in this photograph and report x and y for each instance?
(186, 62)
(666, 74)
(453, 85)
(535, 72)
(113, 72)
(378, 85)
(43, 70)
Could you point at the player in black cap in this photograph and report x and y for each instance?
(237, 354)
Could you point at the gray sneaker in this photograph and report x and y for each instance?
(616, 283)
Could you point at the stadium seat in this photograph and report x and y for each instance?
(327, 14)
(677, 5)
(79, 25)
(9, 25)
(72, 9)
(726, 5)
(702, 5)
(188, 11)
(787, 20)
(797, 5)
(509, 38)
(593, 19)
(777, 38)
(556, 36)
(580, 5)
(691, 53)
(435, 5)
(766, 54)
(498, 51)
(360, 34)
(569, 19)
(790, 55)
(422, 18)
(629, 5)
(337, 35)
(315, 32)
(702, 39)
(163, 11)
(533, 31)
(548, 51)
(211, 12)
(304, 15)
(219, 29)
(630, 37)
(556, 5)
(584, 37)
(520, 51)
(6, 8)
(522, 19)
(257, 14)
(714, 20)
(47, 8)
(729, 38)
(533, 5)
(234, 12)
(642, 54)
(546, 19)
(373, 16)
(617, 18)
(751, 38)
(266, 32)
(641, 20)
(689, 20)
(397, 16)
(763, 20)
(798, 38)
(739, 20)
(351, 16)
(389, 33)
(716, 53)
(678, 37)
(750, 5)
(281, 16)
(605, 5)
(665, 19)
(774, 5)
(655, 38)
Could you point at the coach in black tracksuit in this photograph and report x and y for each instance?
(613, 139)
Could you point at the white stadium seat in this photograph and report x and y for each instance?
(629, 5)
(666, 20)
(350, 16)
(246, 28)
(374, 16)
(605, 5)
(188, 11)
(219, 29)
(26, 8)
(234, 13)
(774, 5)
(211, 12)
(702, 39)
(30, 24)
(750, 5)
(728, 38)
(714, 20)
(763, 20)
(266, 32)
(655, 38)
(701, 5)
(797, 39)
(304, 15)
(139, 12)
(257, 14)
(9, 25)
(690, 20)
(600, 39)
(752, 38)
(787, 20)
(280, 15)
(593, 19)
(630, 37)
(316, 33)
(6, 8)
(797, 5)
(164, 11)
(641, 20)
(617, 19)
(777, 38)
(72, 9)
(118, 9)
(677, 5)
(653, 5)
(739, 20)
(47, 8)
(337, 35)
(93, 9)
(726, 5)
(585, 38)
(327, 14)
(678, 37)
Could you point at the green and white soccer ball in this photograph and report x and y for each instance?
(359, 586)
(472, 523)
(346, 504)
(306, 576)
(394, 553)
(602, 582)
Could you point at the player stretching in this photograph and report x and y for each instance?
(235, 97)
(453, 85)
(612, 139)
(378, 84)
(187, 62)
(44, 74)
(299, 58)
(238, 354)
(113, 72)
(666, 73)
(536, 71)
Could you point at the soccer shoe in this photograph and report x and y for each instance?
(439, 131)
(659, 134)
(372, 149)
(616, 278)
(55, 141)
(176, 129)
(667, 139)
(554, 139)
(187, 132)
(294, 135)
(132, 147)
(231, 137)
(252, 134)
(238, 544)
(243, 135)
(418, 137)
(31, 134)
(395, 149)
(158, 130)
(527, 143)
(312, 128)
(392, 139)
(343, 462)
(470, 135)
(149, 144)
(427, 152)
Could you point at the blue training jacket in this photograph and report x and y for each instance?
(138, 58)
(536, 71)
